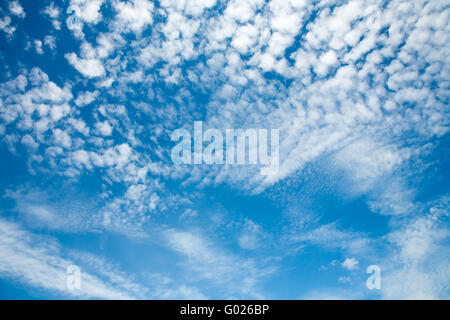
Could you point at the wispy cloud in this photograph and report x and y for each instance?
(38, 261)
(234, 275)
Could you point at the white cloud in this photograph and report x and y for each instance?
(279, 42)
(53, 12)
(38, 46)
(133, 15)
(193, 7)
(62, 138)
(233, 274)
(5, 25)
(16, 9)
(245, 38)
(37, 261)
(251, 236)
(242, 11)
(416, 267)
(328, 236)
(90, 68)
(87, 10)
(267, 62)
(85, 98)
(350, 264)
(50, 41)
(104, 128)
(134, 192)
(29, 142)
(327, 60)
(286, 18)
(81, 157)
(367, 160)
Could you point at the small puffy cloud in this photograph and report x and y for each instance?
(267, 62)
(5, 26)
(16, 9)
(329, 58)
(29, 142)
(53, 13)
(37, 76)
(104, 128)
(105, 46)
(80, 126)
(38, 46)
(86, 98)
(81, 157)
(135, 192)
(87, 10)
(58, 112)
(190, 7)
(284, 20)
(50, 41)
(134, 15)
(279, 42)
(326, 61)
(51, 92)
(90, 68)
(350, 264)
(245, 38)
(62, 138)
(242, 11)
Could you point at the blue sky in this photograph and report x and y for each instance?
(90, 92)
